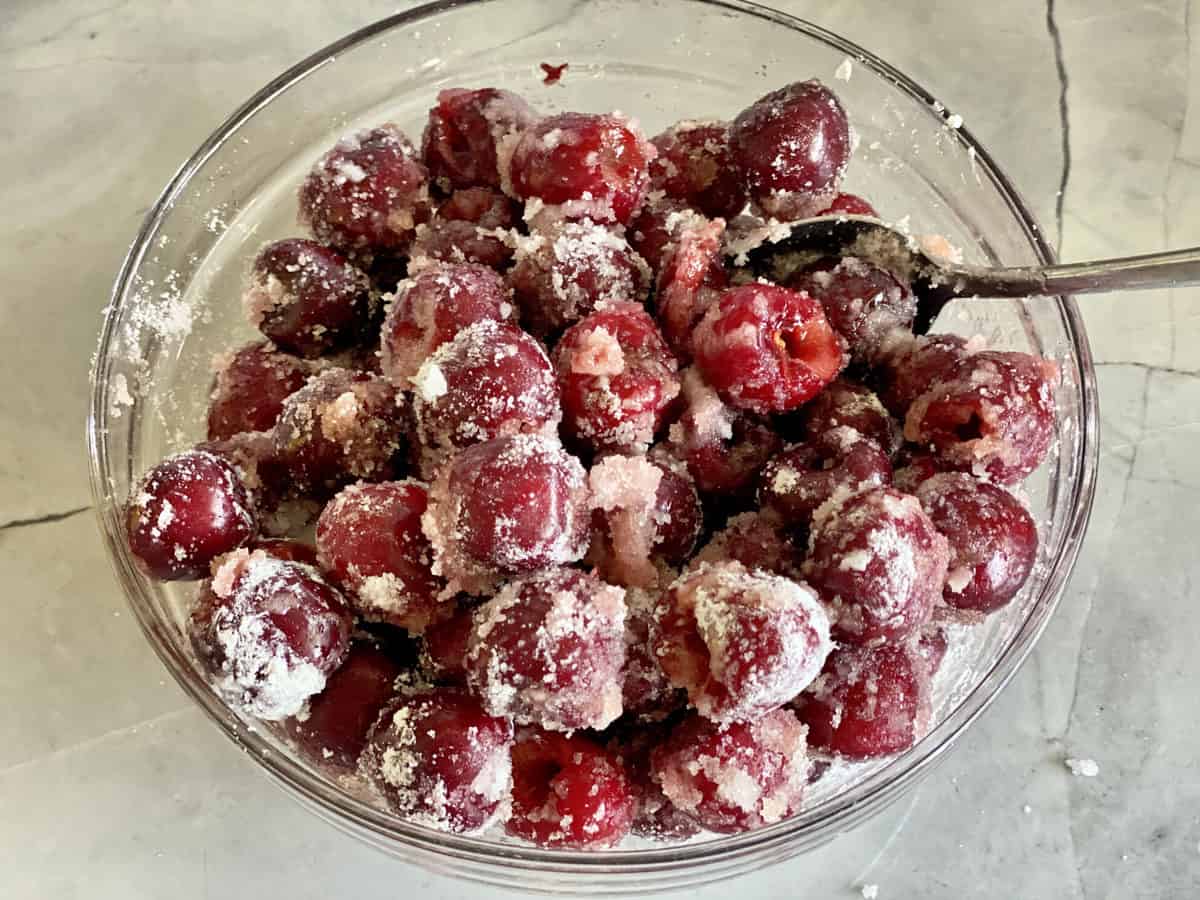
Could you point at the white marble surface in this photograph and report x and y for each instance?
(111, 785)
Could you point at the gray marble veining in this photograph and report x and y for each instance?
(1100, 99)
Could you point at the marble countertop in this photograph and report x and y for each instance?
(113, 786)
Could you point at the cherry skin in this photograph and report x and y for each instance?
(466, 229)
(249, 388)
(791, 148)
(849, 205)
(439, 760)
(307, 298)
(332, 730)
(568, 791)
(270, 632)
(695, 164)
(734, 777)
(187, 511)
(369, 538)
(548, 650)
(368, 193)
(460, 140)
(993, 539)
(596, 166)
(847, 404)
(767, 349)
(617, 377)
(869, 702)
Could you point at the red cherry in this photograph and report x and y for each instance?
(465, 229)
(249, 389)
(464, 129)
(849, 205)
(694, 164)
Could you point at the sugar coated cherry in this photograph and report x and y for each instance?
(694, 164)
(848, 404)
(741, 643)
(511, 505)
(445, 640)
(799, 480)
(565, 273)
(723, 448)
(993, 539)
(617, 377)
(908, 365)
(432, 307)
(655, 816)
(464, 129)
(332, 728)
(568, 791)
(595, 166)
(862, 302)
(368, 193)
(307, 298)
(469, 227)
(791, 148)
(879, 564)
(187, 511)
(249, 388)
(653, 232)
(767, 349)
(270, 632)
(340, 426)
(548, 650)
(492, 379)
(646, 694)
(758, 539)
(690, 281)
(992, 414)
(736, 776)
(369, 538)
(439, 760)
(869, 702)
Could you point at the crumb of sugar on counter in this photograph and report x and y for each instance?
(1082, 768)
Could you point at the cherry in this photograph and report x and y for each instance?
(694, 164)
(653, 232)
(560, 276)
(849, 205)
(511, 505)
(759, 540)
(766, 349)
(863, 302)
(736, 776)
(369, 538)
(993, 539)
(617, 378)
(741, 643)
(645, 514)
(466, 229)
(595, 166)
(332, 729)
(568, 791)
(908, 365)
(655, 816)
(492, 379)
(913, 467)
(646, 694)
(879, 563)
(548, 650)
(848, 404)
(368, 193)
(795, 483)
(791, 148)
(464, 129)
(340, 426)
(690, 280)
(992, 414)
(188, 510)
(249, 388)
(869, 702)
(270, 632)
(288, 549)
(307, 298)
(432, 307)
(439, 760)
(444, 643)
(723, 449)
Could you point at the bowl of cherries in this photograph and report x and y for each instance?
(457, 465)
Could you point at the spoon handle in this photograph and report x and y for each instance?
(1151, 270)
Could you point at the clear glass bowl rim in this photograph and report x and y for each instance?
(811, 825)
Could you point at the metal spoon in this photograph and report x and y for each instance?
(936, 283)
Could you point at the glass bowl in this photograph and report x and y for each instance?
(175, 304)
